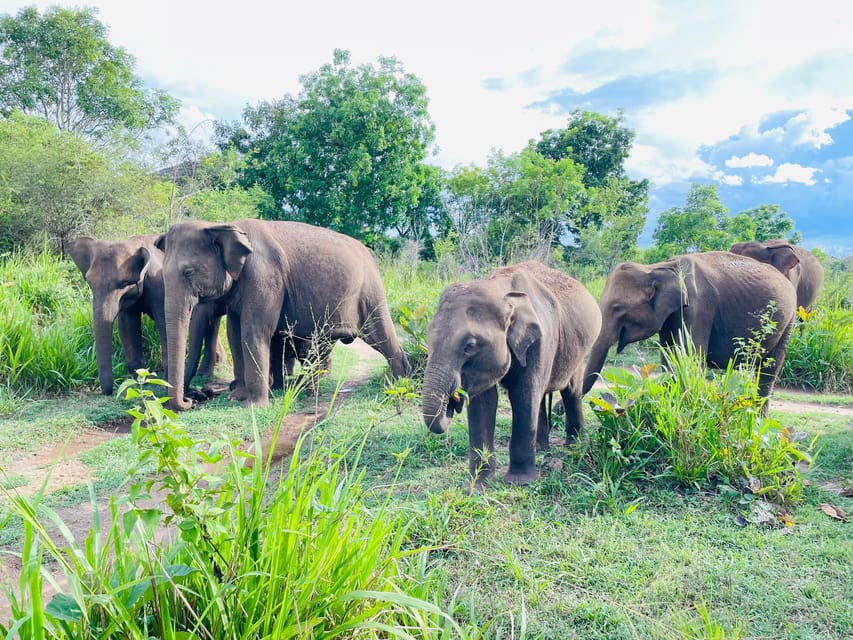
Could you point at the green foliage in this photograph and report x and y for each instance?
(415, 322)
(695, 428)
(61, 67)
(56, 186)
(820, 353)
(306, 560)
(345, 153)
(704, 224)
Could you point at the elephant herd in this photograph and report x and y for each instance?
(286, 288)
(289, 287)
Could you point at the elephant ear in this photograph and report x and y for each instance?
(160, 242)
(142, 262)
(523, 325)
(82, 252)
(234, 246)
(668, 290)
(782, 257)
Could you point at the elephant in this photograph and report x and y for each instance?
(126, 281)
(717, 296)
(526, 327)
(806, 273)
(272, 276)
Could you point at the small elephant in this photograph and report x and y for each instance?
(271, 276)
(126, 281)
(527, 327)
(804, 270)
(717, 296)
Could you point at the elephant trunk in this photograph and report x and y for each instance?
(597, 356)
(178, 314)
(440, 399)
(104, 313)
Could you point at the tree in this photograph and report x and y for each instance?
(61, 67)
(345, 153)
(621, 220)
(698, 226)
(600, 143)
(54, 186)
(519, 207)
(764, 222)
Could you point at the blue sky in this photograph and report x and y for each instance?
(756, 97)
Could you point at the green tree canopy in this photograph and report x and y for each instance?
(61, 67)
(598, 142)
(704, 224)
(54, 186)
(345, 153)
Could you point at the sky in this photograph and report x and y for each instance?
(753, 96)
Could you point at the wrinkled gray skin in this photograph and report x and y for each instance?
(525, 327)
(126, 281)
(804, 270)
(272, 276)
(719, 297)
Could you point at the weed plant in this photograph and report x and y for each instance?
(241, 554)
(694, 428)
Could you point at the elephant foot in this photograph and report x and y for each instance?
(251, 402)
(521, 477)
(238, 394)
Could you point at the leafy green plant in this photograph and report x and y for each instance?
(243, 554)
(414, 322)
(695, 428)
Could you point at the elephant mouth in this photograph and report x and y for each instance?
(455, 404)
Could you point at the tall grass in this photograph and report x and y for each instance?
(695, 428)
(820, 353)
(245, 552)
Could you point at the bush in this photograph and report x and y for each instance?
(696, 429)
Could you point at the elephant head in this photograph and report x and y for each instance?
(636, 302)
(473, 337)
(115, 271)
(202, 264)
(777, 253)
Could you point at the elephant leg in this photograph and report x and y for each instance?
(255, 343)
(130, 333)
(281, 366)
(543, 431)
(525, 404)
(573, 405)
(482, 411)
(770, 373)
(232, 329)
(210, 328)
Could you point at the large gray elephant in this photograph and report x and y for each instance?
(717, 296)
(273, 277)
(126, 280)
(526, 327)
(800, 266)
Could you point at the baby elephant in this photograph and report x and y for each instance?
(527, 327)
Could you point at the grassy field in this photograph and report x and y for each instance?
(556, 559)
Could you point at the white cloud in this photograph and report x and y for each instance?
(728, 179)
(751, 159)
(790, 172)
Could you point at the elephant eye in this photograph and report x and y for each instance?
(188, 272)
(470, 347)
